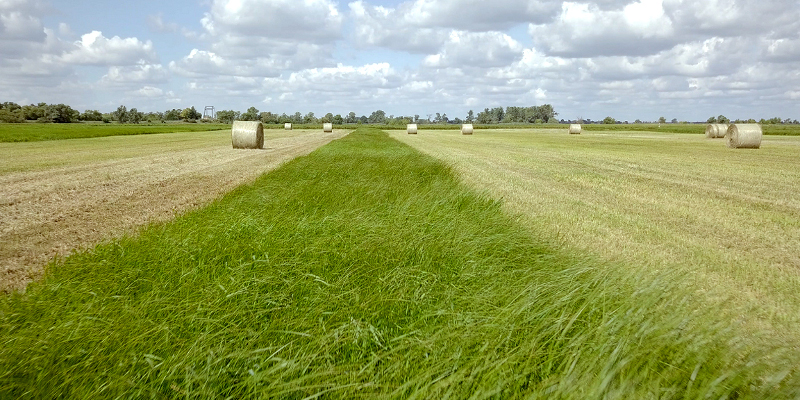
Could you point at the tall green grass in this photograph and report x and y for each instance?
(32, 132)
(365, 270)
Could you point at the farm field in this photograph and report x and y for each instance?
(34, 132)
(726, 220)
(56, 196)
(368, 269)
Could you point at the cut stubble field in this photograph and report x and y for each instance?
(727, 220)
(58, 196)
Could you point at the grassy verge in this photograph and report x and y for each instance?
(365, 269)
(32, 132)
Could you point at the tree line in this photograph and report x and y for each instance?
(61, 113)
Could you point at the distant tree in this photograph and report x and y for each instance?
(712, 120)
(416, 118)
(497, 115)
(121, 115)
(638, 121)
(363, 119)
(192, 114)
(172, 115)
(609, 120)
(91, 115)
(377, 117)
(338, 119)
(351, 118)
(11, 116)
(227, 116)
(134, 116)
(268, 117)
(327, 118)
(470, 117)
(674, 121)
(251, 114)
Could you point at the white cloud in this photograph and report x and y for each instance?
(201, 63)
(470, 49)
(584, 30)
(96, 49)
(139, 73)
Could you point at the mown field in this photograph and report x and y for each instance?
(33, 132)
(479, 270)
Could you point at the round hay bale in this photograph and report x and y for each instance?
(247, 135)
(575, 129)
(466, 129)
(744, 136)
(287, 126)
(411, 129)
(327, 127)
(714, 131)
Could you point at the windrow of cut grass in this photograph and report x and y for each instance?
(366, 270)
(33, 132)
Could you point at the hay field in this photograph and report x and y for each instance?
(56, 196)
(727, 220)
(368, 270)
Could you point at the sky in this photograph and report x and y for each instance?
(628, 59)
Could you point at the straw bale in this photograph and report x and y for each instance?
(715, 131)
(327, 127)
(744, 136)
(466, 129)
(247, 135)
(575, 129)
(411, 129)
(287, 126)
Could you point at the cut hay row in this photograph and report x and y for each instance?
(716, 131)
(467, 129)
(247, 135)
(411, 129)
(575, 129)
(744, 136)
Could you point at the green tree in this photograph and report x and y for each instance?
(327, 118)
(310, 118)
(609, 120)
(121, 115)
(135, 116)
(712, 120)
(227, 116)
(91, 115)
(11, 116)
(251, 114)
(377, 117)
(337, 119)
(662, 120)
(351, 118)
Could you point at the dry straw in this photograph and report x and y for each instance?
(247, 135)
(744, 136)
(327, 127)
(411, 129)
(575, 129)
(287, 126)
(714, 131)
(466, 129)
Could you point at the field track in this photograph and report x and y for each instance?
(58, 196)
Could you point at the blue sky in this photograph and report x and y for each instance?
(629, 59)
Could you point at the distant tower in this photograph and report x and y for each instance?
(209, 112)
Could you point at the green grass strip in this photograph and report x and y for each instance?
(364, 270)
(33, 132)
